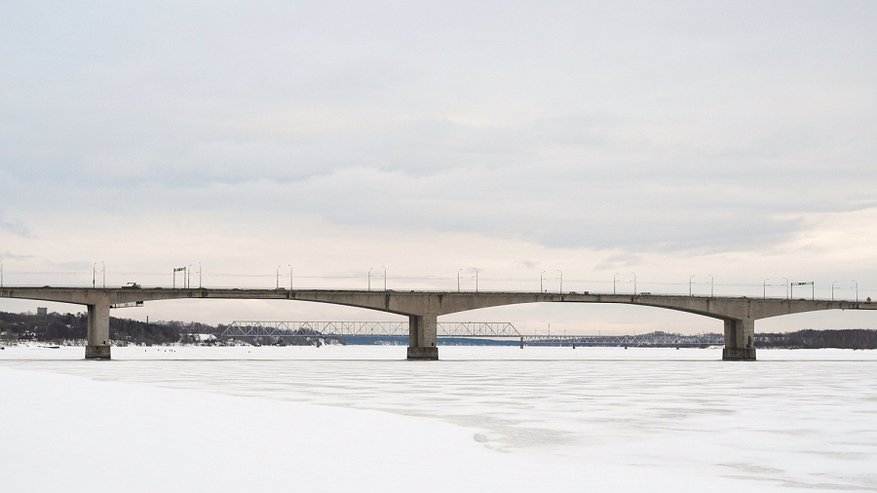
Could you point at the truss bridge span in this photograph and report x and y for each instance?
(293, 329)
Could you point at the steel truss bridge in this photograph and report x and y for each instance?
(278, 330)
(289, 329)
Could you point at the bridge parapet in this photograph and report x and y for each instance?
(444, 303)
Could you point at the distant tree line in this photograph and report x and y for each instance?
(819, 339)
(56, 327)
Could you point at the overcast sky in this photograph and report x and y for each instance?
(732, 141)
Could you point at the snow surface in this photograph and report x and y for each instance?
(350, 418)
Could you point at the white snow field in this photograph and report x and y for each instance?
(483, 419)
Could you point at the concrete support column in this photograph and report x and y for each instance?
(422, 337)
(739, 340)
(98, 332)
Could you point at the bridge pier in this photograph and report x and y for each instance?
(422, 337)
(739, 340)
(98, 334)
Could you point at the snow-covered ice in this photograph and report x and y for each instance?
(482, 419)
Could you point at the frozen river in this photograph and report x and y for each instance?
(571, 420)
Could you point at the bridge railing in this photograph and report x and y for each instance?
(701, 286)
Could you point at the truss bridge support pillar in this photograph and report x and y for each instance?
(422, 337)
(739, 340)
(98, 334)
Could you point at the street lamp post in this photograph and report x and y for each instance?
(690, 279)
(712, 285)
(764, 288)
(788, 284)
(541, 280)
(277, 278)
(832, 290)
(476, 279)
(561, 280)
(458, 278)
(857, 290)
(103, 271)
(634, 283)
(200, 285)
(385, 277)
(290, 276)
(370, 278)
(93, 274)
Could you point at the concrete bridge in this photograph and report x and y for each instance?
(424, 307)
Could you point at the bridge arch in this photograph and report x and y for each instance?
(588, 318)
(424, 307)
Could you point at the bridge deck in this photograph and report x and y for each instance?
(424, 307)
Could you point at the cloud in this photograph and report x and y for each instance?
(527, 264)
(15, 227)
(619, 261)
(9, 255)
(514, 137)
(559, 211)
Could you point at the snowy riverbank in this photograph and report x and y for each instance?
(484, 419)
